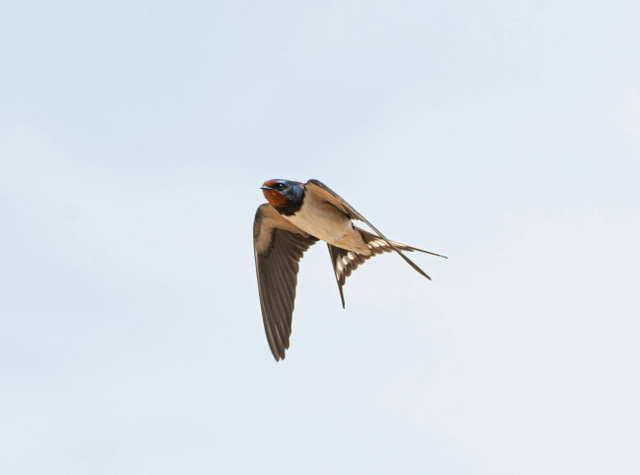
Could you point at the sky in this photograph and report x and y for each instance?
(134, 137)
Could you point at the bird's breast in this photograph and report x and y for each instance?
(326, 222)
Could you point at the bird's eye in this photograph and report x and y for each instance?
(280, 186)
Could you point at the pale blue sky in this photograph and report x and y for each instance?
(133, 139)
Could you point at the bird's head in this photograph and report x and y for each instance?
(283, 195)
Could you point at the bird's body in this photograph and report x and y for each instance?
(326, 222)
(297, 216)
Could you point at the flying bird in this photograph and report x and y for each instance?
(296, 216)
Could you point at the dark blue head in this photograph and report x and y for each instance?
(284, 195)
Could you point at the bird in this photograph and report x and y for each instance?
(296, 216)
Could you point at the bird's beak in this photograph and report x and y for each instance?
(266, 187)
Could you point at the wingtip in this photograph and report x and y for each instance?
(277, 354)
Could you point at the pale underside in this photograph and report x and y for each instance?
(326, 222)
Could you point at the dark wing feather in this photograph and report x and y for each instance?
(278, 247)
(345, 262)
(322, 191)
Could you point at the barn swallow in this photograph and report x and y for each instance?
(296, 216)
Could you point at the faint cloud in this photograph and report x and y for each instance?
(632, 117)
(541, 350)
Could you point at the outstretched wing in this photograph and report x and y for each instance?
(278, 246)
(323, 192)
(345, 262)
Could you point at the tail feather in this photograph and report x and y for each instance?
(345, 262)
